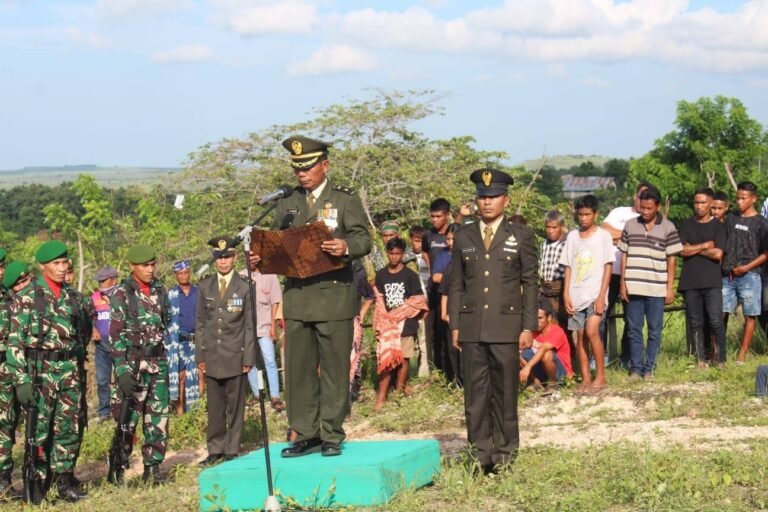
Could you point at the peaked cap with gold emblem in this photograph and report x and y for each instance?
(491, 182)
(305, 152)
(223, 246)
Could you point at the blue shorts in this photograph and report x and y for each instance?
(578, 320)
(538, 370)
(746, 290)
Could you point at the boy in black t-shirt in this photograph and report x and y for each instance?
(703, 239)
(746, 250)
(397, 283)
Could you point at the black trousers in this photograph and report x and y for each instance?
(613, 298)
(705, 307)
(491, 380)
(226, 413)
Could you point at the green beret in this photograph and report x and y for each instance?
(13, 272)
(305, 152)
(51, 250)
(141, 254)
(2, 255)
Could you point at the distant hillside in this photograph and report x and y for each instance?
(117, 176)
(565, 161)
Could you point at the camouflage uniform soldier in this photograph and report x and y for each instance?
(141, 365)
(9, 407)
(52, 358)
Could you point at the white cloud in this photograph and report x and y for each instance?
(185, 54)
(568, 30)
(122, 8)
(85, 38)
(247, 19)
(559, 71)
(334, 59)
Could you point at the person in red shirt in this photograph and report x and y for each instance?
(548, 357)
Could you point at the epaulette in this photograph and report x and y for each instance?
(342, 188)
(244, 278)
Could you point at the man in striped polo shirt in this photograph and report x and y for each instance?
(649, 245)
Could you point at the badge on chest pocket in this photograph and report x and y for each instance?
(234, 305)
(329, 216)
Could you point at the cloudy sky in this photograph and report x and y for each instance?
(144, 82)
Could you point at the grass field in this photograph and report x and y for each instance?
(692, 440)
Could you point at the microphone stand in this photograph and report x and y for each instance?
(271, 504)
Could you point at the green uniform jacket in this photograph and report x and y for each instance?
(493, 294)
(223, 329)
(58, 331)
(143, 333)
(330, 296)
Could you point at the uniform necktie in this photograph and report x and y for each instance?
(222, 287)
(310, 202)
(488, 237)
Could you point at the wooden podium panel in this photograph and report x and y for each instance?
(295, 252)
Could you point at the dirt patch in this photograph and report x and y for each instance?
(574, 422)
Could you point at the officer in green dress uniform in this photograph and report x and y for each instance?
(492, 306)
(319, 310)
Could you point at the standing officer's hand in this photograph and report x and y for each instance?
(455, 339)
(526, 338)
(335, 247)
(201, 367)
(254, 260)
(246, 369)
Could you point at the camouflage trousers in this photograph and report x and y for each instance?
(152, 408)
(58, 415)
(9, 417)
(181, 358)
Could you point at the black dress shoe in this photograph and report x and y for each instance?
(301, 448)
(211, 459)
(228, 457)
(490, 469)
(331, 449)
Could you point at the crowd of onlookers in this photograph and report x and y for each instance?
(627, 256)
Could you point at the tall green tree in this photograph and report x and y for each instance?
(715, 143)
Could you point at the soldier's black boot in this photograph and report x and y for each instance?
(34, 492)
(67, 489)
(116, 475)
(152, 474)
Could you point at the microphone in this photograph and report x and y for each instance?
(282, 191)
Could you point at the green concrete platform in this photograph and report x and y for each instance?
(367, 473)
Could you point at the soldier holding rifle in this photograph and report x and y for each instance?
(42, 355)
(137, 326)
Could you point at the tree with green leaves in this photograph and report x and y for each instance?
(715, 144)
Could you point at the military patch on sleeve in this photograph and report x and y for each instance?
(342, 188)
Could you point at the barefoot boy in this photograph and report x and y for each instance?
(399, 303)
(588, 260)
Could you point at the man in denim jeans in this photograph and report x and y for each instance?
(268, 298)
(107, 279)
(746, 250)
(649, 245)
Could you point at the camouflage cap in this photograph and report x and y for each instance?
(305, 152)
(51, 250)
(491, 182)
(14, 272)
(141, 254)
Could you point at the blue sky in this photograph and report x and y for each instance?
(144, 82)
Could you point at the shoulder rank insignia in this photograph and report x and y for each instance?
(342, 188)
